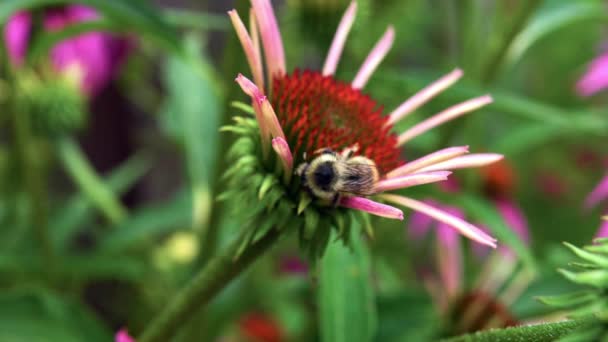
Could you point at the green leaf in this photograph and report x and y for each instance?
(134, 15)
(482, 211)
(551, 20)
(525, 137)
(78, 209)
(346, 299)
(36, 315)
(91, 185)
(150, 223)
(196, 20)
(194, 109)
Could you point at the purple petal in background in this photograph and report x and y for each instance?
(599, 193)
(595, 78)
(17, 34)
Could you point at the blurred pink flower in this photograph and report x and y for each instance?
(123, 336)
(96, 55)
(598, 194)
(292, 265)
(595, 79)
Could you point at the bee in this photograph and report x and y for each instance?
(331, 175)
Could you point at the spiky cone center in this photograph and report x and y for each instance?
(319, 111)
(315, 112)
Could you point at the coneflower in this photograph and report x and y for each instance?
(301, 112)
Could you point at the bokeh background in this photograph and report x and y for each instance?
(120, 179)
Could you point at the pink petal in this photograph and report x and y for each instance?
(442, 117)
(255, 37)
(514, 218)
(411, 180)
(256, 98)
(337, 44)
(281, 147)
(599, 193)
(17, 35)
(267, 119)
(595, 78)
(460, 225)
(602, 232)
(374, 58)
(271, 38)
(255, 63)
(367, 205)
(123, 336)
(423, 96)
(430, 159)
(465, 162)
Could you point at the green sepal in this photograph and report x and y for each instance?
(245, 108)
(596, 278)
(305, 200)
(594, 258)
(311, 223)
(598, 247)
(569, 299)
(268, 182)
(583, 335)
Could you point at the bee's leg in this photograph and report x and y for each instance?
(349, 151)
(336, 200)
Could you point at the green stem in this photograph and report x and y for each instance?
(210, 280)
(540, 332)
(34, 182)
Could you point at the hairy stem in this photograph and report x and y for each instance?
(210, 280)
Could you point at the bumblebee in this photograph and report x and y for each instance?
(331, 175)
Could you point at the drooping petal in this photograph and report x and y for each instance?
(281, 147)
(419, 224)
(267, 118)
(430, 159)
(423, 96)
(255, 64)
(337, 44)
(449, 256)
(460, 225)
(595, 78)
(514, 218)
(271, 38)
(374, 58)
(411, 180)
(465, 162)
(256, 98)
(17, 35)
(123, 336)
(599, 193)
(444, 116)
(375, 208)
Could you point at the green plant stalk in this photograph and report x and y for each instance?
(89, 182)
(34, 182)
(209, 281)
(540, 332)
